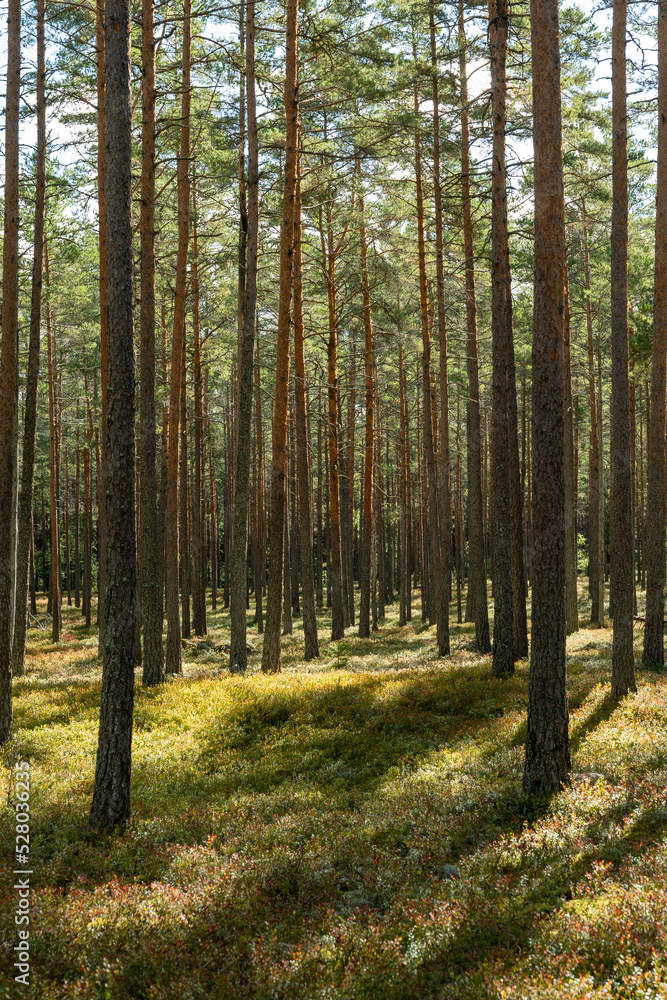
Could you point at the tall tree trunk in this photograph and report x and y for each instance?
(503, 623)
(437, 583)
(365, 576)
(622, 582)
(151, 585)
(184, 504)
(238, 658)
(334, 565)
(571, 597)
(595, 522)
(311, 644)
(198, 492)
(654, 647)
(271, 648)
(9, 368)
(477, 563)
(102, 222)
(32, 376)
(111, 796)
(53, 464)
(174, 655)
(261, 513)
(547, 763)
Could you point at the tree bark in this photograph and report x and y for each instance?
(547, 762)
(365, 576)
(654, 644)
(174, 655)
(32, 376)
(503, 623)
(477, 563)
(151, 585)
(312, 650)
(238, 657)
(271, 648)
(595, 522)
(9, 368)
(622, 581)
(111, 796)
(571, 597)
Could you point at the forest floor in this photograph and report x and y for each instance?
(351, 829)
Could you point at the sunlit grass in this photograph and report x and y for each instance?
(353, 827)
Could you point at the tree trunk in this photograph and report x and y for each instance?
(32, 376)
(654, 650)
(238, 656)
(571, 597)
(547, 763)
(365, 576)
(595, 522)
(477, 564)
(271, 648)
(311, 644)
(503, 625)
(151, 585)
(198, 493)
(622, 582)
(102, 222)
(174, 655)
(53, 464)
(111, 796)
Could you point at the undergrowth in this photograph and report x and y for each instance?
(351, 829)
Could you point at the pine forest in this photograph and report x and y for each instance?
(333, 377)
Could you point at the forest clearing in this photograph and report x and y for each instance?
(351, 828)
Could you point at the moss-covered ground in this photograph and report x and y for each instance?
(351, 829)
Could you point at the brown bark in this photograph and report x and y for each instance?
(334, 567)
(311, 644)
(547, 762)
(271, 648)
(151, 585)
(102, 222)
(184, 505)
(477, 564)
(248, 249)
(654, 650)
(503, 622)
(53, 464)
(25, 549)
(595, 522)
(622, 582)
(571, 597)
(198, 491)
(111, 796)
(437, 582)
(174, 655)
(367, 533)
(9, 368)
